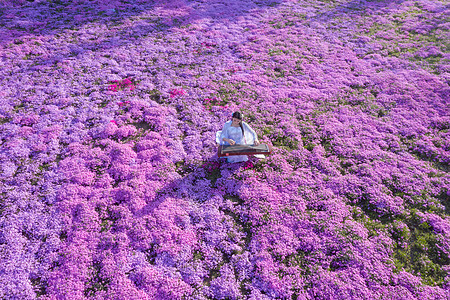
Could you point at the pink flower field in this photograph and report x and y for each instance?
(111, 187)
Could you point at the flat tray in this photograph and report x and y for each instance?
(227, 150)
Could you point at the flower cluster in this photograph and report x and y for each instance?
(248, 165)
(174, 93)
(124, 84)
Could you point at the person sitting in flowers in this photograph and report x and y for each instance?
(238, 132)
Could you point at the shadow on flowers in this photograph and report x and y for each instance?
(199, 183)
(190, 229)
(84, 22)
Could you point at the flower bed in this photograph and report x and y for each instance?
(110, 188)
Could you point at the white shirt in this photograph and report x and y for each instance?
(235, 134)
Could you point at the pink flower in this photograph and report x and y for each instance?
(120, 85)
(248, 165)
(175, 92)
(126, 82)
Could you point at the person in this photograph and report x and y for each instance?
(238, 132)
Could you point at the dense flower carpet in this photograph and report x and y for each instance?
(110, 183)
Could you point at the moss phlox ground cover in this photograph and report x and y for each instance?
(110, 186)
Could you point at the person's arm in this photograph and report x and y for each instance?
(252, 133)
(229, 141)
(224, 135)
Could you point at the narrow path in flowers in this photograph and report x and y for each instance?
(110, 186)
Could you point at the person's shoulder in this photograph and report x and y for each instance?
(227, 122)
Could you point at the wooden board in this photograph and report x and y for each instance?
(226, 150)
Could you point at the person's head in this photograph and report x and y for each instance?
(236, 118)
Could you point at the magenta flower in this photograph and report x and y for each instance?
(175, 92)
(122, 85)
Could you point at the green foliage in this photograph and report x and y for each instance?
(155, 95)
(197, 255)
(299, 259)
(183, 168)
(374, 226)
(285, 142)
(212, 170)
(416, 251)
(4, 120)
(97, 282)
(39, 285)
(107, 218)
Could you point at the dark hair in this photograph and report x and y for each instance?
(239, 116)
